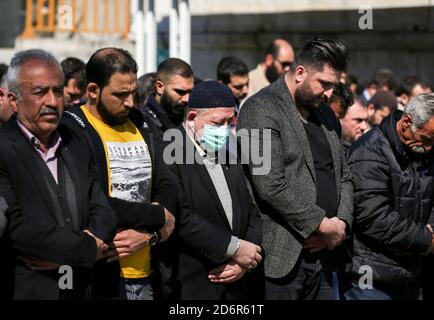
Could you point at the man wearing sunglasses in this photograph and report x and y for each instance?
(278, 58)
(175, 80)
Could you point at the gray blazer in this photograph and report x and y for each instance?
(286, 196)
(3, 220)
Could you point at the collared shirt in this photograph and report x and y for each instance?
(50, 158)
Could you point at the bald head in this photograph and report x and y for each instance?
(278, 58)
(108, 61)
(280, 50)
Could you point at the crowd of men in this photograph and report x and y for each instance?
(119, 187)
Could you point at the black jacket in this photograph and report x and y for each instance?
(38, 227)
(393, 196)
(130, 214)
(203, 229)
(158, 115)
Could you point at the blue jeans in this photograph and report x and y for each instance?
(403, 292)
(136, 289)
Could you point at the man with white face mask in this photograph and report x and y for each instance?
(392, 168)
(219, 226)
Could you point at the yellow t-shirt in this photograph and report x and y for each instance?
(129, 170)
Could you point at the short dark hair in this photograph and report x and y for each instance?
(3, 69)
(407, 85)
(74, 68)
(3, 74)
(230, 66)
(320, 52)
(385, 78)
(384, 98)
(174, 66)
(145, 87)
(106, 62)
(342, 95)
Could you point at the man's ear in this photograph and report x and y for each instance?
(12, 98)
(300, 74)
(371, 109)
(404, 99)
(159, 87)
(2, 95)
(269, 60)
(191, 115)
(407, 120)
(93, 91)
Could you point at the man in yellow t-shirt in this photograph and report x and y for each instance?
(132, 172)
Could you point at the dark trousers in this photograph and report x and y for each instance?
(307, 281)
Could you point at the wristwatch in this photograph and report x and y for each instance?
(153, 239)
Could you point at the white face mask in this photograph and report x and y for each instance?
(215, 137)
(419, 150)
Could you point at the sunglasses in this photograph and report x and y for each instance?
(285, 64)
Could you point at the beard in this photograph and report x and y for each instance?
(109, 118)
(271, 73)
(305, 98)
(175, 110)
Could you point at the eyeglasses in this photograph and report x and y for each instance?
(285, 64)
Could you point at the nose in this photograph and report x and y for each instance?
(185, 98)
(363, 125)
(129, 102)
(328, 93)
(51, 99)
(245, 89)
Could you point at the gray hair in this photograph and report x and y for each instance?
(200, 111)
(21, 58)
(421, 109)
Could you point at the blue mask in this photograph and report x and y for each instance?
(214, 137)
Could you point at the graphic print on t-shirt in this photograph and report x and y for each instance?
(130, 170)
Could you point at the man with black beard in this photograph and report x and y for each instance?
(175, 80)
(306, 198)
(128, 153)
(278, 58)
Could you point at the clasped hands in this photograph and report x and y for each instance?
(329, 234)
(246, 258)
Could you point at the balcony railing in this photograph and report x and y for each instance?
(77, 16)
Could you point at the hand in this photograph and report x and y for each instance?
(315, 242)
(332, 232)
(101, 247)
(227, 273)
(37, 264)
(248, 255)
(169, 224)
(126, 243)
(430, 250)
